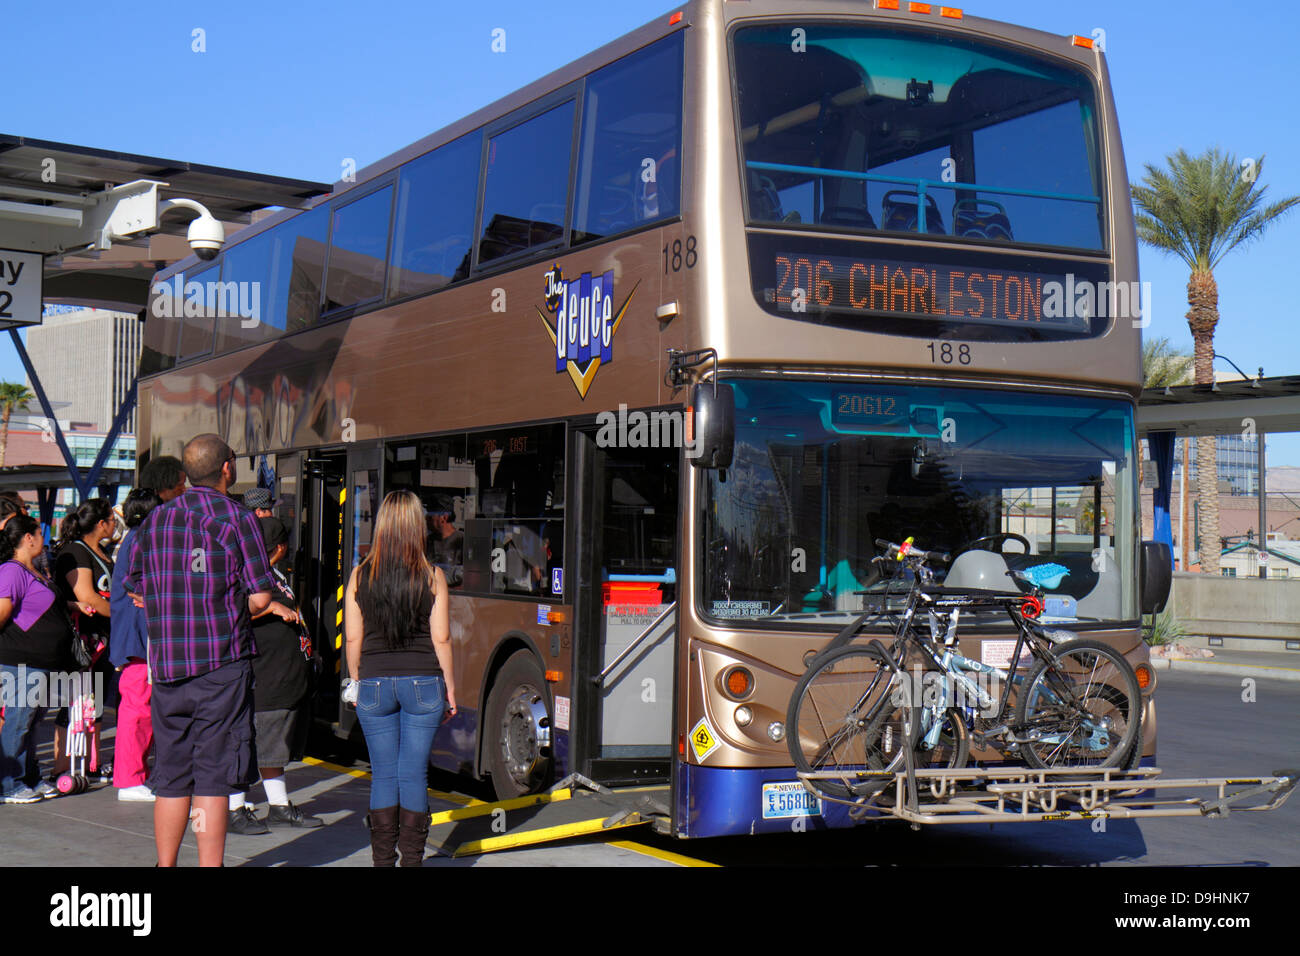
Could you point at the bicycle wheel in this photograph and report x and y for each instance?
(843, 711)
(1084, 710)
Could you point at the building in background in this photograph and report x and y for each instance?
(1238, 463)
(86, 360)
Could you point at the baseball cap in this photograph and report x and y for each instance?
(257, 498)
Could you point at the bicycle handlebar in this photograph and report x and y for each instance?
(907, 549)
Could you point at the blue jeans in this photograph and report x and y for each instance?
(18, 767)
(399, 716)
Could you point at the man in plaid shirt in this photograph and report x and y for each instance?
(201, 568)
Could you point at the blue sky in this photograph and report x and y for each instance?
(295, 89)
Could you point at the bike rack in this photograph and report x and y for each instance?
(1022, 795)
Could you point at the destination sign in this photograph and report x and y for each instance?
(951, 292)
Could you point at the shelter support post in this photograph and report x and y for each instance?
(1161, 445)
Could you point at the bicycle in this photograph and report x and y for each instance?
(853, 709)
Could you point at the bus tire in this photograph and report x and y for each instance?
(520, 750)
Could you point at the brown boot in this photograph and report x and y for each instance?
(412, 836)
(383, 836)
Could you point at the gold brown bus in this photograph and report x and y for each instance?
(892, 234)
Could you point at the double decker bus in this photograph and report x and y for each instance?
(883, 245)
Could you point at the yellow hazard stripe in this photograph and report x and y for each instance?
(340, 598)
(482, 809)
(457, 798)
(664, 855)
(545, 835)
(343, 494)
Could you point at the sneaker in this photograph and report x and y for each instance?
(137, 794)
(245, 821)
(291, 816)
(47, 790)
(23, 795)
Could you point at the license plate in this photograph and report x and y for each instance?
(784, 800)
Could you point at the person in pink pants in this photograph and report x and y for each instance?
(128, 650)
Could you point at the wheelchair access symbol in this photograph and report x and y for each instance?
(703, 740)
(557, 580)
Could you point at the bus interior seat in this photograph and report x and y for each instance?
(899, 212)
(986, 570)
(764, 201)
(981, 219)
(616, 210)
(858, 216)
(664, 201)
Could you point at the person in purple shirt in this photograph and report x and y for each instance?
(200, 567)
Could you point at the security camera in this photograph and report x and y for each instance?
(206, 237)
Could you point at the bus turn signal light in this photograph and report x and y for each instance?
(1081, 41)
(918, 8)
(886, 4)
(555, 617)
(553, 677)
(1144, 676)
(675, 19)
(952, 13)
(739, 683)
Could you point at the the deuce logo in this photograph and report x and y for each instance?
(585, 323)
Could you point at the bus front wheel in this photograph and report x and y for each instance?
(520, 750)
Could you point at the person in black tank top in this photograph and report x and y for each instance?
(83, 573)
(399, 652)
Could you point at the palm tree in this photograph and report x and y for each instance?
(1199, 209)
(1163, 365)
(11, 396)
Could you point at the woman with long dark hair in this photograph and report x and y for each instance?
(83, 572)
(34, 641)
(399, 648)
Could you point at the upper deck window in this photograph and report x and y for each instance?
(358, 250)
(629, 173)
(434, 227)
(877, 130)
(527, 187)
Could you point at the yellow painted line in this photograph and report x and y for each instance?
(480, 808)
(326, 765)
(544, 835)
(665, 855)
(457, 798)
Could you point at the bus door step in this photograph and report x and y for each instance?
(561, 814)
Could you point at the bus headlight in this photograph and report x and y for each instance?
(743, 716)
(776, 730)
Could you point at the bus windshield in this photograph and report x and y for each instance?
(1040, 483)
(877, 130)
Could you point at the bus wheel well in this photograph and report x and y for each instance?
(510, 644)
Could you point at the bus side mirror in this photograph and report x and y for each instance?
(713, 434)
(1157, 576)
